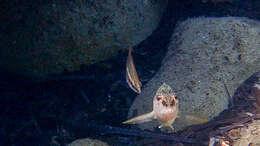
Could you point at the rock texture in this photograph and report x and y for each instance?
(247, 135)
(244, 114)
(87, 142)
(51, 36)
(206, 61)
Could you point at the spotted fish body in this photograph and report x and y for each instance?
(165, 108)
(131, 75)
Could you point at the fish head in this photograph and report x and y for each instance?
(165, 98)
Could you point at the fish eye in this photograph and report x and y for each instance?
(164, 103)
(172, 103)
(176, 97)
(159, 98)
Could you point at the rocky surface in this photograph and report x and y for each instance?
(247, 135)
(47, 37)
(206, 61)
(87, 142)
(239, 125)
(246, 94)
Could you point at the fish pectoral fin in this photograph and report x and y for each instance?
(140, 119)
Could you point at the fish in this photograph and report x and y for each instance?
(132, 78)
(165, 108)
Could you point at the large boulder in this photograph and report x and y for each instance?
(207, 59)
(51, 36)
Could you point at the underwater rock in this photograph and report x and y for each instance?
(49, 37)
(87, 142)
(207, 59)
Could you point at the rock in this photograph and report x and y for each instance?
(207, 59)
(256, 90)
(245, 130)
(247, 135)
(87, 142)
(53, 36)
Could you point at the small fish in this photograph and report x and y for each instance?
(165, 108)
(131, 75)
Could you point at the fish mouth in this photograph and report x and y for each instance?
(166, 116)
(137, 90)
